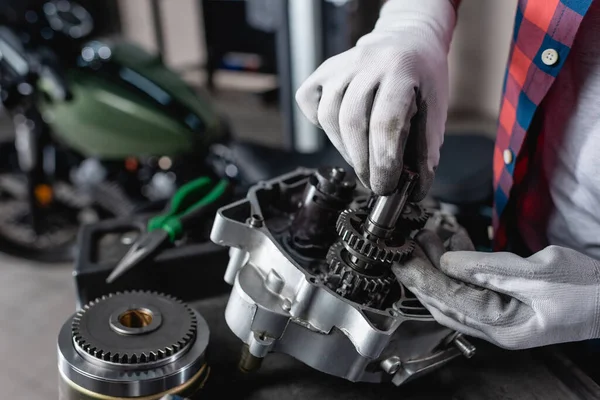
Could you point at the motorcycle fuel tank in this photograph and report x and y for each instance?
(125, 102)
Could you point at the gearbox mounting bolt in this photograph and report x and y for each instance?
(465, 347)
(391, 365)
(256, 221)
(287, 305)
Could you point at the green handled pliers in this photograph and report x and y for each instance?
(191, 203)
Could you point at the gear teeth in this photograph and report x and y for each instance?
(354, 240)
(415, 217)
(128, 358)
(349, 283)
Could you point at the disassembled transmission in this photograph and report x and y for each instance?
(310, 264)
(131, 345)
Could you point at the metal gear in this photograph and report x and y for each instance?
(104, 328)
(413, 217)
(369, 288)
(386, 251)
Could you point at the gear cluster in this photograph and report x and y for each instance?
(368, 288)
(94, 336)
(385, 251)
(358, 264)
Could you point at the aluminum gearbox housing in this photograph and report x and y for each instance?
(291, 296)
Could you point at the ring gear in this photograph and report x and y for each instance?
(93, 335)
(368, 288)
(349, 230)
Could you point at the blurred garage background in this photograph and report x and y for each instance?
(212, 45)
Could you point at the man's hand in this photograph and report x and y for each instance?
(513, 302)
(394, 82)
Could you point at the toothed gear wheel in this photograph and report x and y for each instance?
(93, 334)
(413, 217)
(349, 230)
(368, 288)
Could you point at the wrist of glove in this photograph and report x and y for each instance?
(516, 303)
(393, 84)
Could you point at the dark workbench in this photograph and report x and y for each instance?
(493, 374)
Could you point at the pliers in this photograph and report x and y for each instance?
(191, 203)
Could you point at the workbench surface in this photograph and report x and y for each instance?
(492, 374)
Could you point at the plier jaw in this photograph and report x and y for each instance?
(192, 202)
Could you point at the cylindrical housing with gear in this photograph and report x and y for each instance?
(137, 344)
(328, 192)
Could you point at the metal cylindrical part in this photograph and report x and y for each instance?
(391, 365)
(119, 348)
(388, 209)
(237, 259)
(67, 390)
(249, 363)
(465, 347)
(327, 193)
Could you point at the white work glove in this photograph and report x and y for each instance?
(392, 83)
(514, 302)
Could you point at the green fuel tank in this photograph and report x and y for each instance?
(124, 102)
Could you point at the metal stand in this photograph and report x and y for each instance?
(311, 31)
(306, 45)
(284, 67)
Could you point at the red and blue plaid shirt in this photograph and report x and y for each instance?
(543, 35)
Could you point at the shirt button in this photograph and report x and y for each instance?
(508, 157)
(550, 57)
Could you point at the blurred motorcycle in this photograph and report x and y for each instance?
(102, 128)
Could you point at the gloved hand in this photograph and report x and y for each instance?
(513, 302)
(392, 83)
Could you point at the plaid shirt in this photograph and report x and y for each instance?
(543, 35)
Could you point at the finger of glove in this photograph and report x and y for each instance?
(328, 116)
(461, 241)
(453, 324)
(496, 271)
(354, 117)
(308, 97)
(432, 246)
(507, 338)
(393, 108)
(521, 277)
(416, 152)
(426, 137)
(449, 318)
(477, 308)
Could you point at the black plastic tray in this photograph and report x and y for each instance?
(191, 271)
